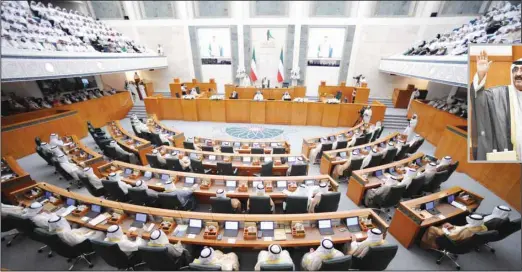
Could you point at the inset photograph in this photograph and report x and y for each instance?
(495, 99)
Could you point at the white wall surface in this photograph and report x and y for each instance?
(316, 74)
(221, 73)
(268, 52)
(374, 38)
(22, 88)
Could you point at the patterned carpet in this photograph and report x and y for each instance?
(253, 132)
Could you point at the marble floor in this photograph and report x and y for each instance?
(22, 254)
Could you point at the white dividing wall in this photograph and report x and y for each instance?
(374, 38)
(22, 88)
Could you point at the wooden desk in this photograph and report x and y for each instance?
(331, 158)
(432, 122)
(176, 137)
(347, 92)
(310, 143)
(89, 159)
(19, 180)
(408, 221)
(312, 238)
(216, 181)
(245, 146)
(129, 142)
(261, 112)
(401, 98)
(503, 179)
(244, 168)
(358, 184)
(175, 87)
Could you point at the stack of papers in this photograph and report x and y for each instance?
(279, 235)
(98, 219)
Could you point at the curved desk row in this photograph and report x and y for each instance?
(80, 153)
(176, 137)
(13, 178)
(310, 143)
(209, 184)
(247, 164)
(410, 218)
(129, 142)
(332, 158)
(126, 213)
(365, 179)
(261, 112)
(242, 146)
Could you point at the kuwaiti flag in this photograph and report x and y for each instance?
(253, 69)
(280, 70)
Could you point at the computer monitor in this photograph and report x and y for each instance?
(48, 194)
(212, 157)
(281, 184)
(352, 221)
(96, 208)
(147, 174)
(451, 198)
(310, 182)
(429, 205)
(165, 177)
(325, 224)
(127, 171)
(382, 144)
(368, 148)
(418, 161)
(141, 217)
(230, 183)
(195, 223)
(266, 225)
(291, 159)
(378, 173)
(246, 159)
(255, 183)
(232, 225)
(342, 154)
(189, 180)
(70, 202)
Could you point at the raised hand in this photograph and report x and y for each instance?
(482, 65)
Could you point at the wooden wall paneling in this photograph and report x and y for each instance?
(439, 122)
(499, 73)
(257, 112)
(171, 108)
(218, 110)
(19, 142)
(152, 107)
(238, 111)
(348, 114)
(315, 114)
(330, 115)
(246, 92)
(378, 111)
(299, 91)
(204, 111)
(278, 112)
(149, 88)
(362, 95)
(513, 196)
(229, 88)
(190, 110)
(299, 114)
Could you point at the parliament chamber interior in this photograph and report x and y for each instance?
(252, 135)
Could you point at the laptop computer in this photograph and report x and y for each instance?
(451, 198)
(267, 227)
(380, 175)
(255, 183)
(189, 181)
(165, 177)
(127, 172)
(230, 185)
(281, 185)
(418, 161)
(246, 159)
(368, 148)
(231, 229)
(95, 211)
(237, 144)
(325, 227)
(147, 175)
(70, 202)
(352, 224)
(342, 154)
(430, 207)
(392, 171)
(291, 160)
(195, 226)
(140, 220)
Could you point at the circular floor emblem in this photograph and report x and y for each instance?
(253, 132)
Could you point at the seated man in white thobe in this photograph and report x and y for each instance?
(274, 255)
(359, 249)
(115, 235)
(209, 256)
(123, 186)
(313, 260)
(88, 172)
(72, 237)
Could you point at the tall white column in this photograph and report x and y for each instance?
(186, 17)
